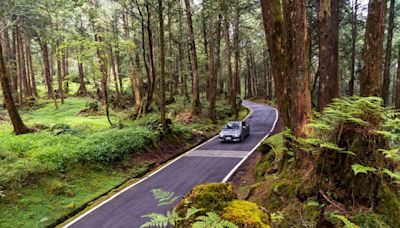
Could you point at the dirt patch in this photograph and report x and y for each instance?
(187, 117)
(169, 147)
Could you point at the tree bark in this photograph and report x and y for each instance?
(152, 81)
(30, 67)
(82, 91)
(196, 105)
(371, 73)
(287, 39)
(236, 86)
(328, 53)
(136, 80)
(388, 57)
(162, 66)
(397, 101)
(46, 63)
(25, 89)
(60, 78)
(353, 48)
(18, 124)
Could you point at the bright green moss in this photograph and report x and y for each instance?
(245, 214)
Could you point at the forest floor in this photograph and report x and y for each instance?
(74, 159)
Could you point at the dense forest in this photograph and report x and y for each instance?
(97, 93)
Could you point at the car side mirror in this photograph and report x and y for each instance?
(244, 127)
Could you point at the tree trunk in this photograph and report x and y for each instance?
(236, 86)
(287, 41)
(353, 48)
(397, 101)
(25, 89)
(30, 67)
(328, 52)
(46, 63)
(18, 124)
(371, 73)
(115, 74)
(60, 78)
(162, 66)
(195, 72)
(136, 80)
(82, 91)
(388, 57)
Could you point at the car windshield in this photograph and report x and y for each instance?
(232, 126)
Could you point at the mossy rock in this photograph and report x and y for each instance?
(389, 206)
(246, 214)
(209, 197)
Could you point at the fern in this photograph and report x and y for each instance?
(164, 197)
(394, 175)
(357, 168)
(212, 220)
(347, 223)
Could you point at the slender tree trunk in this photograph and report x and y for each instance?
(18, 124)
(397, 100)
(371, 73)
(136, 80)
(21, 63)
(153, 77)
(228, 54)
(195, 72)
(162, 66)
(353, 48)
(60, 78)
(82, 91)
(236, 86)
(388, 57)
(46, 63)
(30, 67)
(14, 65)
(104, 77)
(115, 74)
(328, 52)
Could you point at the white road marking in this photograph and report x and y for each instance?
(218, 153)
(171, 162)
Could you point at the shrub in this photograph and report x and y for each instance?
(245, 214)
(115, 144)
(211, 197)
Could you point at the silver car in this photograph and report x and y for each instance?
(235, 131)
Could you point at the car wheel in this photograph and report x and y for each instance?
(241, 138)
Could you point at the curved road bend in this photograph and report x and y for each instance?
(212, 161)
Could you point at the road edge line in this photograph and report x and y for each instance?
(229, 175)
(145, 177)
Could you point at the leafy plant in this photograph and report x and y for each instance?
(212, 220)
(357, 168)
(347, 223)
(164, 197)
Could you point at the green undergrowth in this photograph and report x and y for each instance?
(348, 174)
(220, 199)
(75, 156)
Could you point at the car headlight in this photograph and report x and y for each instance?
(236, 135)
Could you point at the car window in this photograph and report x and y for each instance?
(232, 126)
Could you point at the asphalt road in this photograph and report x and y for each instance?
(210, 162)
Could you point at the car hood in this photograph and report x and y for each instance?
(229, 132)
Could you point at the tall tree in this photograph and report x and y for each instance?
(397, 100)
(353, 48)
(18, 124)
(162, 65)
(328, 52)
(371, 73)
(196, 105)
(388, 56)
(236, 85)
(287, 38)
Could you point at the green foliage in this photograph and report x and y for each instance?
(212, 197)
(245, 214)
(164, 197)
(357, 168)
(212, 220)
(161, 220)
(347, 223)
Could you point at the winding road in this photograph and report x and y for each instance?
(211, 161)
